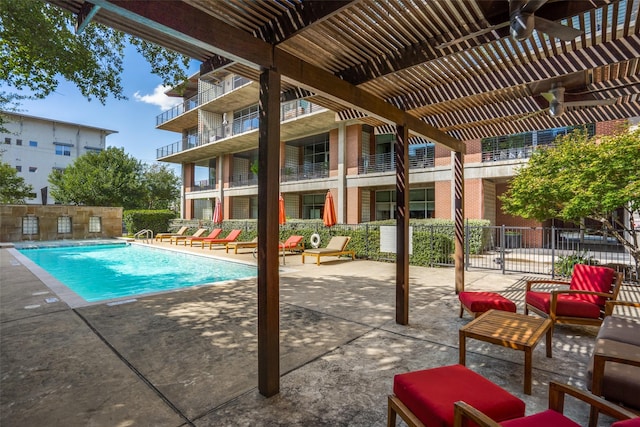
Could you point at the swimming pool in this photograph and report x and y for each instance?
(105, 272)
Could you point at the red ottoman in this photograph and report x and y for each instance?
(477, 303)
(426, 397)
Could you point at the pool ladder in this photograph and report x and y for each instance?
(145, 234)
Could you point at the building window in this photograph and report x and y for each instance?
(245, 120)
(62, 150)
(312, 206)
(19, 168)
(18, 142)
(95, 224)
(33, 143)
(33, 169)
(317, 153)
(421, 203)
(64, 224)
(385, 205)
(7, 140)
(29, 225)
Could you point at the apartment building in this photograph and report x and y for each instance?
(35, 146)
(319, 151)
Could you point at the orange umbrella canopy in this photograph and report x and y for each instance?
(217, 213)
(282, 217)
(329, 215)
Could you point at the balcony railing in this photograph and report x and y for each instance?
(243, 180)
(191, 141)
(293, 109)
(493, 153)
(202, 185)
(189, 104)
(306, 171)
(380, 163)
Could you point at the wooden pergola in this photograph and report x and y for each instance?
(439, 71)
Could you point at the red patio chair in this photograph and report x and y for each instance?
(583, 303)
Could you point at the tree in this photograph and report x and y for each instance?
(13, 189)
(38, 45)
(107, 178)
(162, 186)
(583, 177)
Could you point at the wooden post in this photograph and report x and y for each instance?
(458, 179)
(402, 224)
(268, 232)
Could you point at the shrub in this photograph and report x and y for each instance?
(564, 265)
(155, 220)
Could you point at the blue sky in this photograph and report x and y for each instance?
(133, 119)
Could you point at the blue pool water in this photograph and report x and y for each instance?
(103, 272)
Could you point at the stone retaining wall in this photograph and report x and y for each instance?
(54, 222)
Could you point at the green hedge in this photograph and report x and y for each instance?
(433, 239)
(155, 220)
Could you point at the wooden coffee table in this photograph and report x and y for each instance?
(511, 330)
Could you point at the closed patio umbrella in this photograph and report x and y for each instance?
(217, 213)
(329, 215)
(282, 217)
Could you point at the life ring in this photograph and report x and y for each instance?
(315, 240)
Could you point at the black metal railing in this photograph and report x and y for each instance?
(243, 180)
(306, 171)
(385, 162)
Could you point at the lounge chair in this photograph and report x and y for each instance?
(231, 237)
(335, 247)
(292, 244)
(198, 233)
(252, 244)
(169, 235)
(199, 239)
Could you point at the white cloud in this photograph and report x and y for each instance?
(158, 98)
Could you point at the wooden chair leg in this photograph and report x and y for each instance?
(391, 414)
(461, 310)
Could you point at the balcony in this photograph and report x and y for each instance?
(243, 180)
(381, 163)
(303, 172)
(290, 111)
(190, 104)
(192, 141)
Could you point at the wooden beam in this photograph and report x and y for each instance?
(191, 25)
(268, 232)
(402, 224)
(179, 20)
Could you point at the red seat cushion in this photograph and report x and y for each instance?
(592, 278)
(479, 302)
(431, 393)
(568, 305)
(546, 418)
(633, 422)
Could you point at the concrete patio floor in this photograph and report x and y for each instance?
(189, 358)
